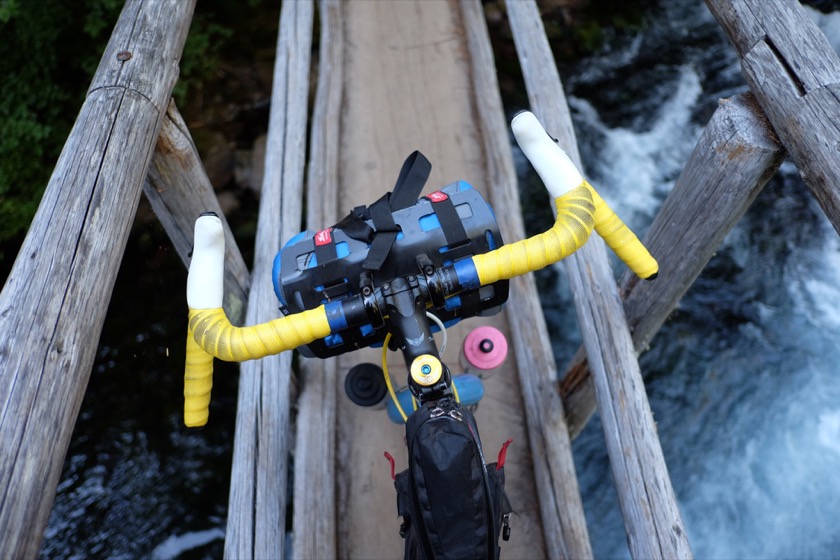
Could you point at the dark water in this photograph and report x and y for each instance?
(742, 380)
(135, 478)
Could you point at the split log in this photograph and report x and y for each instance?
(53, 305)
(651, 515)
(734, 158)
(314, 524)
(795, 76)
(257, 505)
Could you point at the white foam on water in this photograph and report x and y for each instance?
(748, 418)
(828, 430)
(175, 545)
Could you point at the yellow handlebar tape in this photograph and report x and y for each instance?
(211, 335)
(578, 212)
(214, 333)
(574, 223)
(622, 241)
(198, 381)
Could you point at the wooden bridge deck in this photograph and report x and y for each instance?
(408, 85)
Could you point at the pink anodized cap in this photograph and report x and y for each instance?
(485, 348)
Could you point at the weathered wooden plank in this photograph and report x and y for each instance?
(795, 76)
(734, 158)
(651, 515)
(563, 519)
(257, 504)
(179, 190)
(54, 302)
(314, 523)
(407, 86)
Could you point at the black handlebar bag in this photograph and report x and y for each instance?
(452, 502)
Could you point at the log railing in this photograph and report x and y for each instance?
(793, 74)
(53, 305)
(651, 514)
(178, 189)
(795, 77)
(734, 158)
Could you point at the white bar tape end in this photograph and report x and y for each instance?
(205, 281)
(554, 167)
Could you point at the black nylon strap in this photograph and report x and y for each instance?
(415, 170)
(325, 251)
(354, 225)
(386, 233)
(450, 221)
(413, 175)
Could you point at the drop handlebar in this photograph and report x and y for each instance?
(579, 210)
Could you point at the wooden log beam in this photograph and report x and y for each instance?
(314, 523)
(795, 76)
(561, 507)
(179, 190)
(53, 305)
(734, 158)
(257, 504)
(651, 515)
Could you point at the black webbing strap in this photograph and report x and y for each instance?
(413, 175)
(457, 241)
(450, 221)
(328, 264)
(325, 250)
(354, 225)
(386, 233)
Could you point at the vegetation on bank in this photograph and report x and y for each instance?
(48, 55)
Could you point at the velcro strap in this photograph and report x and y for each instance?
(325, 247)
(386, 233)
(413, 175)
(355, 226)
(450, 221)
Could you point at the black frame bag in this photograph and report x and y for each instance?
(453, 503)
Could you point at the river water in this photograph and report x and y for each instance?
(743, 379)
